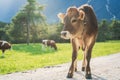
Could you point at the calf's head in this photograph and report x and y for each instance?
(72, 21)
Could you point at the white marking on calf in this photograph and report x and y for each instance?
(45, 41)
(67, 36)
(52, 41)
(3, 42)
(44, 45)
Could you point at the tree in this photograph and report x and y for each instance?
(102, 31)
(27, 21)
(4, 31)
(115, 28)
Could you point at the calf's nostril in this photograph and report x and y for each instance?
(63, 33)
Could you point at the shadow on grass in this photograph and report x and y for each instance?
(2, 57)
(33, 49)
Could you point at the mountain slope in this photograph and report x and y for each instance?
(104, 9)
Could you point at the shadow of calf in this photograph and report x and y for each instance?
(94, 77)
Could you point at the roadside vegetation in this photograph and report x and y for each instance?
(23, 57)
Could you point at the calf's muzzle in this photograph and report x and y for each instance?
(65, 34)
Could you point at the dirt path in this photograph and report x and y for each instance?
(103, 68)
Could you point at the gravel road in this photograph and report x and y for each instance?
(103, 68)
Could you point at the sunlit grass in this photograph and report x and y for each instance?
(23, 57)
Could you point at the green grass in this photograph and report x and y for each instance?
(23, 57)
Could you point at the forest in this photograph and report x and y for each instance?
(29, 25)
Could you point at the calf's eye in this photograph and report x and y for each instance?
(74, 20)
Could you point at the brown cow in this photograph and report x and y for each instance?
(4, 45)
(80, 26)
(50, 43)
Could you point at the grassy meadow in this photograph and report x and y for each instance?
(23, 57)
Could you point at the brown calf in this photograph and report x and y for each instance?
(50, 43)
(4, 45)
(80, 26)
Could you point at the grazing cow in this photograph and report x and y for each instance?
(50, 43)
(80, 26)
(4, 45)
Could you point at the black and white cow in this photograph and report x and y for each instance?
(4, 45)
(50, 43)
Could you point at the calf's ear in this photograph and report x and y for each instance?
(82, 15)
(61, 16)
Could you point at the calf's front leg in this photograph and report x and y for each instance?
(73, 66)
(83, 62)
(87, 67)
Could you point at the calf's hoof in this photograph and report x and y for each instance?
(88, 76)
(75, 69)
(83, 68)
(69, 75)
